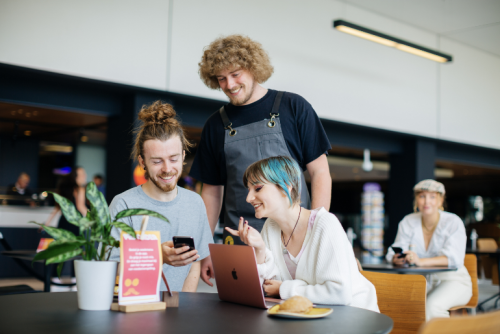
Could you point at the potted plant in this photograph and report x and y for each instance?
(95, 274)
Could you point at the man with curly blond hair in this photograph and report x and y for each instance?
(257, 123)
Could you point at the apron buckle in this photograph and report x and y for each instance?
(272, 123)
(232, 131)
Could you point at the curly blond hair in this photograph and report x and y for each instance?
(234, 51)
(159, 122)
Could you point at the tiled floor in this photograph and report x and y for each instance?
(486, 289)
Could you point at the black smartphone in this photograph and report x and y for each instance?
(399, 252)
(180, 241)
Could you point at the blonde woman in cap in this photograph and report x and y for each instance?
(438, 239)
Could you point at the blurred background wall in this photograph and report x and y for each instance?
(157, 44)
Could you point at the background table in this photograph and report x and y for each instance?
(58, 312)
(29, 255)
(406, 269)
(491, 253)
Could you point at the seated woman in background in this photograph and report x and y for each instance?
(72, 187)
(439, 239)
(300, 252)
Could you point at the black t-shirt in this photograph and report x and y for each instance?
(303, 132)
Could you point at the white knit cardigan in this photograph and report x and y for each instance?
(327, 272)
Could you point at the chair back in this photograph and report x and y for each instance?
(402, 298)
(486, 323)
(487, 244)
(470, 263)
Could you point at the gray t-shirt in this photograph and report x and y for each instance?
(187, 216)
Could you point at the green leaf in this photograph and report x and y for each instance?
(78, 239)
(125, 228)
(57, 233)
(113, 242)
(98, 203)
(136, 212)
(64, 256)
(59, 269)
(105, 207)
(58, 249)
(108, 241)
(85, 223)
(97, 230)
(91, 215)
(68, 209)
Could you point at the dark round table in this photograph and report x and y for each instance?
(58, 312)
(406, 269)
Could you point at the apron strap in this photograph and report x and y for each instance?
(225, 119)
(277, 101)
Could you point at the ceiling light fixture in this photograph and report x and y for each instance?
(378, 37)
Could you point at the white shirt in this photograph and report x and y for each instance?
(449, 238)
(327, 272)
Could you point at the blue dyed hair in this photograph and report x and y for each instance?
(281, 171)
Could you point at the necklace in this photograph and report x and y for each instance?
(432, 229)
(282, 237)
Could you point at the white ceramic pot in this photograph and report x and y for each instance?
(95, 281)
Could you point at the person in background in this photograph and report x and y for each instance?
(20, 188)
(99, 182)
(72, 187)
(439, 239)
(160, 148)
(300, 252)
(257, 123)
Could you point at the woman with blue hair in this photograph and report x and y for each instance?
(300, 252)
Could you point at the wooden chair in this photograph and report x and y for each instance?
(486, 323)
(470, 262)
(402, 298)
(489, 264)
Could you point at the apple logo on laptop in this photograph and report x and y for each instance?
(234, 274)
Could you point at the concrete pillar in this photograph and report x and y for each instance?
(414, 164)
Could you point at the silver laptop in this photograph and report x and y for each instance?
(236, 276)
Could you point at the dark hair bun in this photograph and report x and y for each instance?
(157, 113)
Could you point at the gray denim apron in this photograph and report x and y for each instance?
(242, 147)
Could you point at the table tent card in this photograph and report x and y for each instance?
(140, 268)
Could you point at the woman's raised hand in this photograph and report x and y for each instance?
(250, 236)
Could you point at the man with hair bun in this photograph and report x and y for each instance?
(257, 123)
(160, 147)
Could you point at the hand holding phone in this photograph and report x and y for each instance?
(399, 252)
(181, 241)
(179, 252)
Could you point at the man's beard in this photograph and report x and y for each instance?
(236, 102)
(165, 188)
